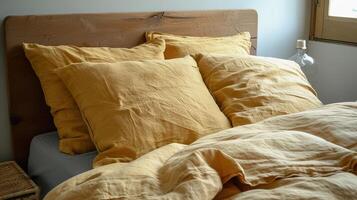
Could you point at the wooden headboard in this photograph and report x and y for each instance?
(29, 114)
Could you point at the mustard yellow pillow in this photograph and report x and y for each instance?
(73, 133)
(249, 89)
(134, 107)
(179, 46)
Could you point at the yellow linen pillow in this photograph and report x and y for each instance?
(73, 133)
(179, 46)
(249, 89)
(134, 107)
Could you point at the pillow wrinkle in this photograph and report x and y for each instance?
(71, 128)
(178, 46)
(164, 102)
(249, 89)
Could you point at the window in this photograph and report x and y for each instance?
(343, 8)
(334, 20)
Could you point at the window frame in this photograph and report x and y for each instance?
(329, 28)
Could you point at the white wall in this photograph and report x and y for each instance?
(335, 74)
(281, 22)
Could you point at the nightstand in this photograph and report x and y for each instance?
(15, 183)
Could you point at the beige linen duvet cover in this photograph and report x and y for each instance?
(306, 155)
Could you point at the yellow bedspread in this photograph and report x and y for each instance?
(307, 155)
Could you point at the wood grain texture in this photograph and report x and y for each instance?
(15, 183)
(28, 112)
(330, 28)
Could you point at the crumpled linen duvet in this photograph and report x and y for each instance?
(306, 155)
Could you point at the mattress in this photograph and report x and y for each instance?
(48, 167)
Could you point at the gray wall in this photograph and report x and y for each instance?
(334, 76)
(281, 22)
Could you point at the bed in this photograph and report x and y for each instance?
(45, 157)
(29, 114)
(308, 153)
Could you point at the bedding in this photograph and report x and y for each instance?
(249, 89)
(304, 155)
(179, 46)
(73, 133)
(134, 107)
(48, 167)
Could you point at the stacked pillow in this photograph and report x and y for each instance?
(132, 101)
(134, 107)
(179, 46)
(73, 132)
(249, 89)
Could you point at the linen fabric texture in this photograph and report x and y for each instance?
(249, 89)
(179, 46)
(134, 107)
(73, 133)
(305, 155)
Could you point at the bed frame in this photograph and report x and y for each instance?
(29, 114)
